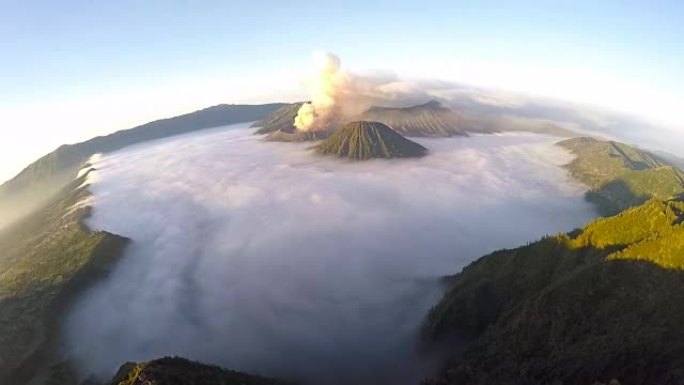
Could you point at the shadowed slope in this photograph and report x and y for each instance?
(367, 140)
(602, 303)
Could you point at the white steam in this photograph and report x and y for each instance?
(337, 94)
(266, 258)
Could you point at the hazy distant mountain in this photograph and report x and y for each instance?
(601, 303)
(670, 158)
(429, 119)
(49, 174)
(621, 176)
(366, 140)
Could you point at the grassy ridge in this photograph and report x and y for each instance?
(620, 176)
(45, 259)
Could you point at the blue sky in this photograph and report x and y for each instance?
(120, 63)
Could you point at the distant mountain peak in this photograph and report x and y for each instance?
(435, 104)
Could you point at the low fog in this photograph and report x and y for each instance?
(265, 257)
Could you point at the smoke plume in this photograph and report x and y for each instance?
(337, 94)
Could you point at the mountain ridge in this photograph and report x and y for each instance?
(431, 119)
(620, 176)
(46, 176)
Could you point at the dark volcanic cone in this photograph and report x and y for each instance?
(367, 140)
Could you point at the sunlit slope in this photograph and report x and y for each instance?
(44, 259)
(621, 176)
(367, 140)
(179, 371)
(281, 119)
(49, 174)
(604, 302)
(430, 119)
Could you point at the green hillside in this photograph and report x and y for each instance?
(367, 140)
(179, 371)
(620, 176)
(49, 174)
(45, 259)
(605, 302)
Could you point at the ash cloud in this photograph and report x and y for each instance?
(264, 257)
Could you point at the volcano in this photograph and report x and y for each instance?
(367, 140)
(279, 126)
(281, 119)
(431, 119)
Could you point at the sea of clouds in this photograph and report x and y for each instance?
(268, 258)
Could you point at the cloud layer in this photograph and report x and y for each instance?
(264, 257)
